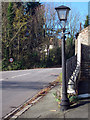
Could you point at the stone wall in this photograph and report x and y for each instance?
(89, 35)
(83, 39)
(82, 50)
(85, 53)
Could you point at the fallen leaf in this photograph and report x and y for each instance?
(53, 110)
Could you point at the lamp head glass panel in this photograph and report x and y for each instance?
(62, 12)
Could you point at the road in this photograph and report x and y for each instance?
(21, 85)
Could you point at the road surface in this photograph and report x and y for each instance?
(21, 85)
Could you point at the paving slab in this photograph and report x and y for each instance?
(47, 107)
(80, 110)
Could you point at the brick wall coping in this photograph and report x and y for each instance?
(84, 29)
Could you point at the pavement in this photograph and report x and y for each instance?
(48, 107)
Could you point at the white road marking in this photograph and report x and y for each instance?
(28, 70)
(20, 75)
(1, 79)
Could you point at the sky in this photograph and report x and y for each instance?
(76, 7)
(63, 0)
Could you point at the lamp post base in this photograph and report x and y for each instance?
(64, 105)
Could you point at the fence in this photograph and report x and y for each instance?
(72, 72)
(70, 67)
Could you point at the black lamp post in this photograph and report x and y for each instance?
(63, 12)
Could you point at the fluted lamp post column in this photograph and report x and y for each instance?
(63, 12)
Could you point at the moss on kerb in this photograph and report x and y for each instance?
(59, 78)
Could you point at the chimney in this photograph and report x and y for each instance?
(80, 26)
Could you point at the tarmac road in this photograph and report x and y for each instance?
(21, 85)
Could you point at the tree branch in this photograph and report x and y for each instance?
(17, 32)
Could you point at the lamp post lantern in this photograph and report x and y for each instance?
(63, 12)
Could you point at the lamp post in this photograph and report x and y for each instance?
(63, 12)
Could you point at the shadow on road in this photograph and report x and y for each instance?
(23, 85)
